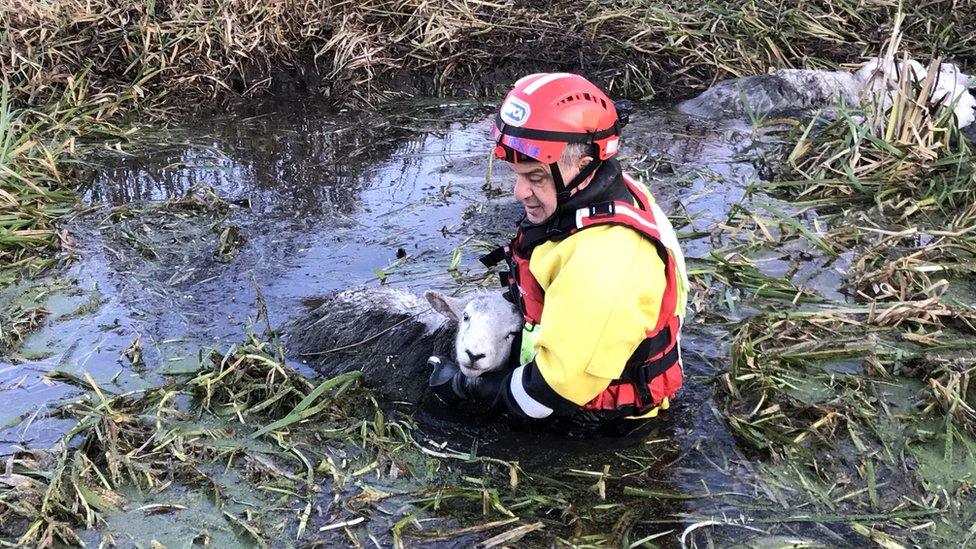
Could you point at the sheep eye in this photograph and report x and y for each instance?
(465, 317)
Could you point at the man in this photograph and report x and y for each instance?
(595, 267)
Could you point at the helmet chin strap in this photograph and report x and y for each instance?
(565, 190)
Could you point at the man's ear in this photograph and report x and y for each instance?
(583, 163)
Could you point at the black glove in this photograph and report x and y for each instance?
(492, 388)
(447, 381)
(452, 386)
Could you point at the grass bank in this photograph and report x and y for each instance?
(73, 69)
(869, 404)
(795, 398)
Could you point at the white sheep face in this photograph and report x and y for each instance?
(487, 325)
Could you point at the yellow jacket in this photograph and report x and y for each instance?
(603, 290)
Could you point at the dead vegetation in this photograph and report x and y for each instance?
(851, 397)
(819, 388)
(320, 461)
(172, 434)
(140, 51)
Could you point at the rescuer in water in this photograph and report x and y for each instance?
(594, 267)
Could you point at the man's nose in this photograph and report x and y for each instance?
(522, 189)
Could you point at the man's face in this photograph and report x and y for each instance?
(536, 190)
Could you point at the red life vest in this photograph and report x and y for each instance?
(654, 371)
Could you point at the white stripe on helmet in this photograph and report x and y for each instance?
(545, 80)
(524, 78)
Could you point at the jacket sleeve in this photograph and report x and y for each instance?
(520, 392)
(604, 293)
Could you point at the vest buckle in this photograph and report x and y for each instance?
(602, 209)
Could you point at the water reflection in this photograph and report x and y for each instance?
(290, 159)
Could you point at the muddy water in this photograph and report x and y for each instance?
(326, 201)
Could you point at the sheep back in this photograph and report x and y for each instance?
(387, 333)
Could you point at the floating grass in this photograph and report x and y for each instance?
(141, 440)
(286, 436)
(838, 399)
(16, 322)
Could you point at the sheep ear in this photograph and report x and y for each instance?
(451, 307)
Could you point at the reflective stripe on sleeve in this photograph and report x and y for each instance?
(529, 405)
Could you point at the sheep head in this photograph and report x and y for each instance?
(487, 325)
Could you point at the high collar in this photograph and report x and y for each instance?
(607, 185)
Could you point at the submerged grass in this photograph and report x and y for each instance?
(16, 321)
(288, 460)
(198, 218)
(175, 434)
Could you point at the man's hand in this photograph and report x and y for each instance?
(447, 381)
(491, 389)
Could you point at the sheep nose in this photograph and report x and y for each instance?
(474, 358)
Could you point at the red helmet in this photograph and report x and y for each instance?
(546, 111)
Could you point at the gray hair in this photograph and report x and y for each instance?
(574, 152)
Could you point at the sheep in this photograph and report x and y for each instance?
(953, 86)
(487, 325)
(787, 91)
(388, 334)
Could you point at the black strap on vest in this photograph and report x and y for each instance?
(506, 278)
(642, 374)
(650, 347)
(547, 135)
(493, 257)
(602, 209)
(640, 371)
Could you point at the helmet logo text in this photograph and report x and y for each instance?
(525, 147)
(515, 112)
